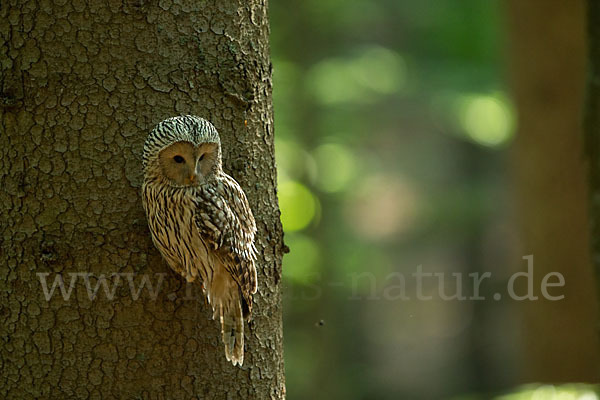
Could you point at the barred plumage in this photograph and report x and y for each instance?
(201, 221)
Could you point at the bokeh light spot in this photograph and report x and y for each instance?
(380, 69)
(300, 265)
(335, 165)
(360, 79)
(487, 120)
(298, 206)
(293, 162)
(382, 206)
(551, 392)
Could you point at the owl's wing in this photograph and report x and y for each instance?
(225, 221)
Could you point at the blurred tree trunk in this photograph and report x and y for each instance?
(547, 41)
(592, 128)
(82, 84)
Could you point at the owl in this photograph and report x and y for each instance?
(201, 222)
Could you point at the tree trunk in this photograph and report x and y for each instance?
(592, 128)
(559, 338)
(82, 84)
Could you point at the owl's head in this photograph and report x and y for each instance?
(182, 151)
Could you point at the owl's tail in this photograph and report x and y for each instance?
(228, 310)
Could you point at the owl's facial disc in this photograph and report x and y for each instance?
(187, 165)
(177, 163)
(206, 160)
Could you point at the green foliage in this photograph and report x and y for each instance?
(551, 392)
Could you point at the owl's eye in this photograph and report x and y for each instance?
(178, 159)
(201, 157)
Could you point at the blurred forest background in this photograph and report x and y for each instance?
(397, 147)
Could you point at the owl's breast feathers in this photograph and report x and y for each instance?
(170, 219)
(187, 223)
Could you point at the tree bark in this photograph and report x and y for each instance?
(559, 338)
(82, 84)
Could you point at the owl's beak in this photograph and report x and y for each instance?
(193, 178)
